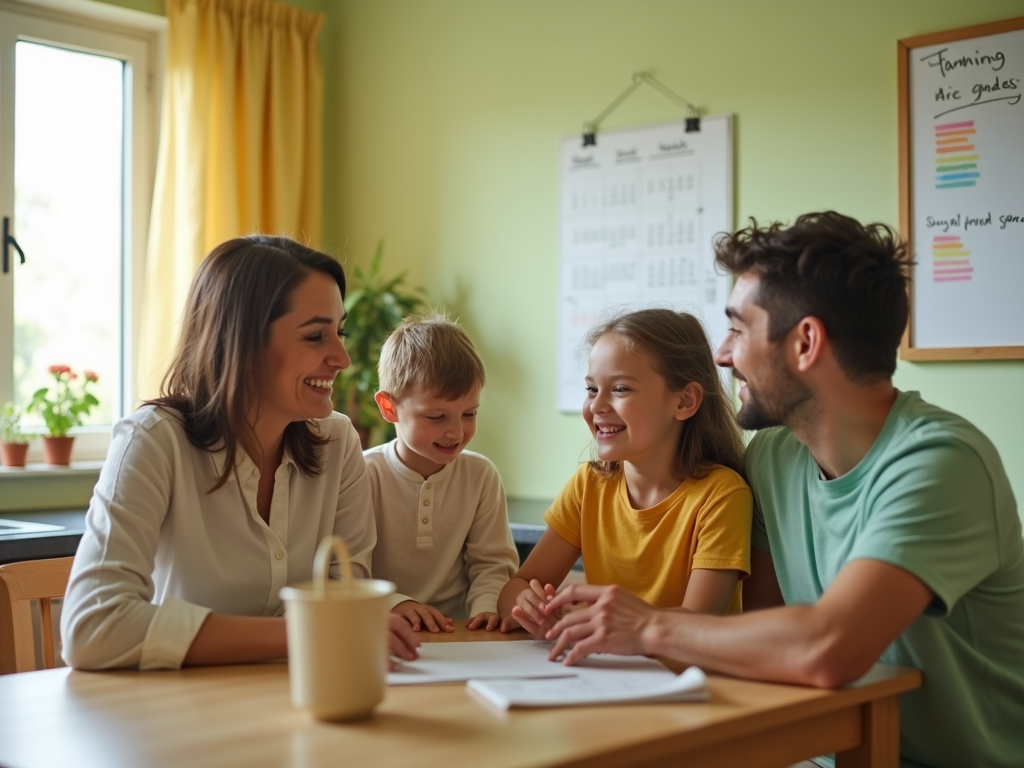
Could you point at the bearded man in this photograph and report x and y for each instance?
(885, 527)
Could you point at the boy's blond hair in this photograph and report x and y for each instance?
(430, 353)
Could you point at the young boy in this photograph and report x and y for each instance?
(442, 527)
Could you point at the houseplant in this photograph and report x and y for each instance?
(375, 306)
(62, 407)
(13, 441)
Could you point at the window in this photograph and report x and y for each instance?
(77, 148)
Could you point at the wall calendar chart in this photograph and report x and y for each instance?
(638, 214)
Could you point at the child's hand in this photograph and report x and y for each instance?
(509, 623)
(527, 610)
(484, 620)
(402, 641)
(419, 616)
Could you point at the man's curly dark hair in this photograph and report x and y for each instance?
(852, 277)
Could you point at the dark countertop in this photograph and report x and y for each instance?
(36, 545)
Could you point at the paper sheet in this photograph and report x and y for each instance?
(595, 686)
(457, 662)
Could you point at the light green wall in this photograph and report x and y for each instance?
(443, 124)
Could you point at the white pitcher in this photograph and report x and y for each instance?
(337, 638)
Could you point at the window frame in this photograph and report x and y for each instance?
(139, 40)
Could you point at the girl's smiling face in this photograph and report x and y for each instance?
(631, 412)
(305, 353)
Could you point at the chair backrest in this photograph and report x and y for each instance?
(20, 584)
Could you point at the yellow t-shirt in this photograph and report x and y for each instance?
(704, 523)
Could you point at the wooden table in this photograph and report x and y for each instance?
(241, 715)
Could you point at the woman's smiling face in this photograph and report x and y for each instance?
(304, 353)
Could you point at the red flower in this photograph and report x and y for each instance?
(58, 369)
(91, 376)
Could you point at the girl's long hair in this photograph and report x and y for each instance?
(680, 351)
(219, 370)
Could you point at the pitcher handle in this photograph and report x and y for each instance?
(322, 563)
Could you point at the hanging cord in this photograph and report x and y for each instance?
(692, 113)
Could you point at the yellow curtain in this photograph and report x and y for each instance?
(240, 148)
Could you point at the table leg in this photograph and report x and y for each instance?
(880, 744)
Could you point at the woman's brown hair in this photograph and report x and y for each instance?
(215, 380)
(680, 352)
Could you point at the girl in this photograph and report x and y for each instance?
(216, 494)
(663, 511)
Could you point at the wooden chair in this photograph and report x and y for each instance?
(20, 584)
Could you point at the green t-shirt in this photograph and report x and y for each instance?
(932, 498)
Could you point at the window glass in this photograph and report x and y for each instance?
(69, 219)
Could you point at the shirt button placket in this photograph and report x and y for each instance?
(425, 528)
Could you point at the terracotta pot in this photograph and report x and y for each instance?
(14, 454)
(57, 450)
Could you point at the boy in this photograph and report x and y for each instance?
(442, 527)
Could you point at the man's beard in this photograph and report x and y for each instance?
(780, 396)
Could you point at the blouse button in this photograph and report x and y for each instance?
(426, 502)
(279, 555)
(427, 486)
(425, 520)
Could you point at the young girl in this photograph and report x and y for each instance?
(663, 510)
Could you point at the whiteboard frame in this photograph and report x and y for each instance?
(904, 49)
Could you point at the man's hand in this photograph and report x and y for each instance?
(419, 616)
(484, 620)
(528, 610)
(613, 623)
(402, 641)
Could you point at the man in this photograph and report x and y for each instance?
(885, 528)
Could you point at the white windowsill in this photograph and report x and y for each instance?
(33, 470)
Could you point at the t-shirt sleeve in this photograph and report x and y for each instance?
(933, 516)
(563, 517)
(759, 531)
(723, 530)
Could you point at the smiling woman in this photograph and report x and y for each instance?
(215, 495)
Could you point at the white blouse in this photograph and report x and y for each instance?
(160, 551)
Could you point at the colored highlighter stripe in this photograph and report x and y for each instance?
(955, 156)
(951, 262)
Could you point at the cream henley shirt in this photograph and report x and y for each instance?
(444, 541)
(160, 552)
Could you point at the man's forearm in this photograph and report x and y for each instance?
(788, 645)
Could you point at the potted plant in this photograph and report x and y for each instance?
(62, 409)
(375, 306)
(13, 441)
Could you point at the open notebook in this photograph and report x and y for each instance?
(596, 686)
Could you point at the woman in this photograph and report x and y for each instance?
(216, 494)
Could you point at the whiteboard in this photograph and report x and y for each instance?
(966, 192)
(637, 217)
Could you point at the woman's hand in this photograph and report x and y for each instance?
(402, 641)
(420, 615)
